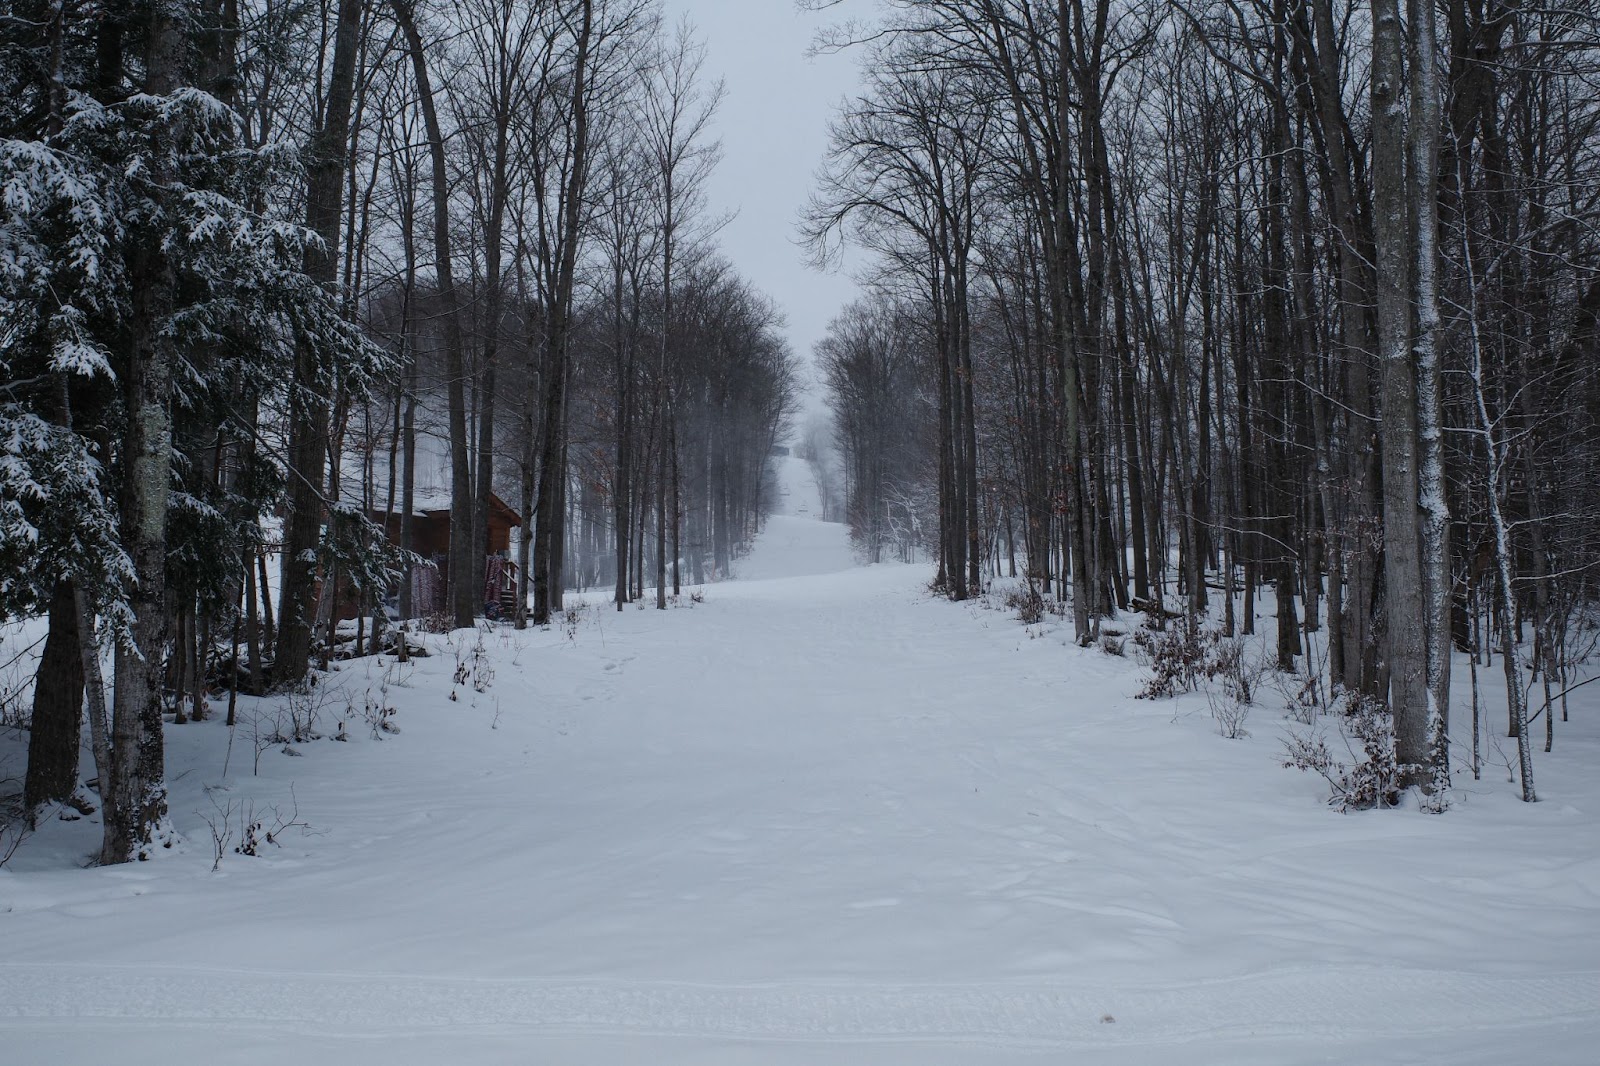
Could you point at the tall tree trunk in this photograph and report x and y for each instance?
(135, 797)
(1405, 609)
(308, 399)
(1426, 117)
(465, 578)
(494, 231)
(54, 737)
(94, 690)
(661, 517)
(622, 491)
(1504, 570)
(550, 510)
(676, 507)
(1355, 285)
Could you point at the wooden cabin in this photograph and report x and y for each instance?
(430, 524)
(430, 538)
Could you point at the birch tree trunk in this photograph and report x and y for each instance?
(134, 793)
(1504, 603)
(1426, 117)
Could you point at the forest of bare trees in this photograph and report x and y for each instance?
(1224, 311)
(273, 271)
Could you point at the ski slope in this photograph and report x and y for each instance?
(795, 542)
(818, 818)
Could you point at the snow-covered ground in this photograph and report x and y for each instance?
(794, 543)
(818, 818)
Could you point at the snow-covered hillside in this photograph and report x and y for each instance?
(818, 818)
(796, 542)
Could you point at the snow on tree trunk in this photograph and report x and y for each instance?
(1424, 183)
(1404, 606)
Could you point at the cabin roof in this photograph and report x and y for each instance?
(425, 502)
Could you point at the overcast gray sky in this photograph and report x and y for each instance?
(773, 125)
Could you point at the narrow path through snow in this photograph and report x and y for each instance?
(817, 818)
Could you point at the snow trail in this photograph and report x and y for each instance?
(1290, 1004)
(817, 818)
(795, 542)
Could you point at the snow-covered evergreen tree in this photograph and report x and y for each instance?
(147, 283)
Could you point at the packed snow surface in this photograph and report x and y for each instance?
(795, 543)
(817, 818)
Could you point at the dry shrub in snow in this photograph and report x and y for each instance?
(1176, 658)
(1372, 776)
(1181, 657)
(1026, 601)
(474, 667)
(1230, 714)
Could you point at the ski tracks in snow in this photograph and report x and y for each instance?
(1306, 1005)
